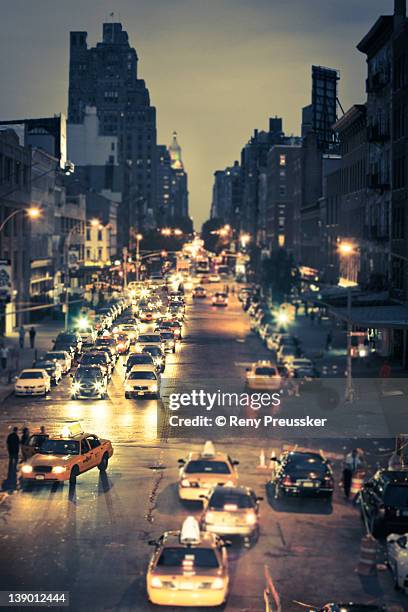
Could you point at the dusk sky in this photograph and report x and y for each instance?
(216, 69)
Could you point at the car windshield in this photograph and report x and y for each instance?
(142, 376)
(105, 342)
(60, 447)
(167, 336)
(221, 500)
(82, 373)
(43, 365)
(396, 496)
(66, 338)
(139, 359)
(149, 338)
(201, 466)
(311, 463)
(55, 356)
(265, 371)
(89, 359)
(198, 557)
(30, 375)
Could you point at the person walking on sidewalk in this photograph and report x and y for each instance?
(32, 334)
(21, 335)
(352, 463)
(3, 357)
(13, 447)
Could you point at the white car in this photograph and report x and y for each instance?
(263, 375)
(142, 367)
(214, 278)
(32, 382)
(220, 299)
(88, 334)
(62, 357)
(397, 556)
(142, 383)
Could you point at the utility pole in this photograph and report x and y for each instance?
(125, 258)
(349, 383)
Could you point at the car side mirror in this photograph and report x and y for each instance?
(227, 543)
(235, 463)
(260, 498)
(153, 543)
(203, 497)
(181, 461)
(247, 369)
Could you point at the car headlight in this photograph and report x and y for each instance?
(185, 482)
(98, 386)
(155, 582)
(58, 469)
(76, 386)
(27, 469)
(128, 387)
(218, 583)
(154, 388)
(250, 518)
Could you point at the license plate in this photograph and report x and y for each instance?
(40, 477)
(308, 484)
(186, 586)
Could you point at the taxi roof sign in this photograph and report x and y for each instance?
(209, 449)
(72, 429)
(190, 531)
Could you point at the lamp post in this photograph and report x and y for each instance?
(138, 237)
(32, 213)
(67, 283)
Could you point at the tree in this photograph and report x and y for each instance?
(279, 275)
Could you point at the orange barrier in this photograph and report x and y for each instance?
(357, 483)
(271, 596)
(367, 565)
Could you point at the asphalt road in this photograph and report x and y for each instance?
(91, 540)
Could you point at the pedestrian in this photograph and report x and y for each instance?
(21, 335)
(32, 334)
(312, 316)
(296, 309)
(13, 447)
(4, 357)
(384, 373)
(352, 463)
(329, 340)
(24, 441)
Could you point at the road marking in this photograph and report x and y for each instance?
(243, 364)
(282, 537)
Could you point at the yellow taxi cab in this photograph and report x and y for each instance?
(203, 471)
(66, 456)
(263, 376)
(232, 511)
(188, 568)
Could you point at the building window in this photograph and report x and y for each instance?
(282, 173)
(100, 236)
(282, 190)
(88, 234)
(99, 254)
(282, 160)
(88, 254)
(281, 240)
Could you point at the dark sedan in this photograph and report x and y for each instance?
(303, 474)
(384, 502)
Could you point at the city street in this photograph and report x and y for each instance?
(92, 539)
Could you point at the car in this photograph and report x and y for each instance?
(301, 474)
(287, 354)
(130, 329)
(148, 339)
(231, 511)
(171, 324)
(304, 371)
(139, 359)
(66, 347)
(157, 354)
(397, 559)
(214, 278)
(201, 471)
(265, 330)
(89, 382)
(62, 357)
(142, 367)
(142, 383)
(188, 568)
(169, 341)
(107, 341)
(71, 339)
(34, 443)
(384, 502)
(123, 343)
(350, 607)
(147, 316)
(32, 382)
(97, 358)
(263, 375)
(220, 299)
(52, 368)
(100, 322)
(67, 456)
(199, 292)
(87, 332)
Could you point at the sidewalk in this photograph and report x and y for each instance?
(23, 358)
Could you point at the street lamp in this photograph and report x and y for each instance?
(245, 239)
(347, 249)
(32, 213)
(138, 237)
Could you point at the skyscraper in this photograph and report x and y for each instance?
(179, 181)
(106, 77)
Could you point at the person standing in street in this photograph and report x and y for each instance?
(13, 447)
(32, 334)
(21, 335)
(351, 464)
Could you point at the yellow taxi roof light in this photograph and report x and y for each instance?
(209, 449)
(72, 429)
(190, 531)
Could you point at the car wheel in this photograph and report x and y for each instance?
(103, 466)
(127, 396)
(73, 475)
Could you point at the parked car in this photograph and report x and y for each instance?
(384, 502)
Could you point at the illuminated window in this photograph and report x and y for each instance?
(281, 240)
(282, 160)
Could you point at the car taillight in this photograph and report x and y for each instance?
(328, 481)
(287, 481)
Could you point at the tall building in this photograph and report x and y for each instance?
(227, 195)
(179, 181)
(105, 77)
(164, 186)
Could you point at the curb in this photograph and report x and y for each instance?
(6, 397)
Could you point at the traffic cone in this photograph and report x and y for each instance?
(262, 464)
(367, 565)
